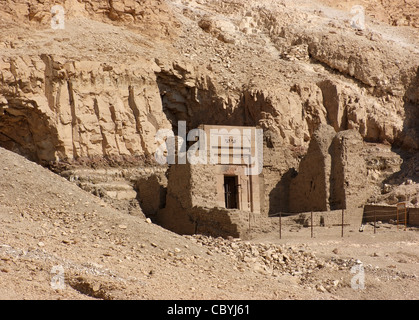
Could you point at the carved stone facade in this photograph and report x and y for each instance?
(215, 197)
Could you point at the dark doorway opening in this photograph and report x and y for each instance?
(230, 191)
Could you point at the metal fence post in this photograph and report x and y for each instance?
(312, 224)
(280, 225)
(375, 220)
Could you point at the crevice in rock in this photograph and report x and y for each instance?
(336, 112)
(104, 140)
(74, 125)
(133, 105)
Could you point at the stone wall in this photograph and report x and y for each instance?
(348, 172)
(310, 189)
(333, 173)
(134, 190)
(195, 200)
(279, 161)
(152, 192)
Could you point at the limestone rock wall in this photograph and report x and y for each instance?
(216, 63)
(310, 189)
(333, 174)
(121, 70)
(349, 179)
(72, 109)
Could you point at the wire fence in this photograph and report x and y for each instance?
(397, 215)
(281, 215)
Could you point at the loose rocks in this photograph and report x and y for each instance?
(266, 258)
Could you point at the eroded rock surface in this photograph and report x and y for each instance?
(121, 70)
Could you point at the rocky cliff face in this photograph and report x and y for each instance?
(72, 109)
(121, 70)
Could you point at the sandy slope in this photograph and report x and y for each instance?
(46, 221)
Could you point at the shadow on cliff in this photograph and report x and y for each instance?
(279, 196)
(205, 105)
(407, 146)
